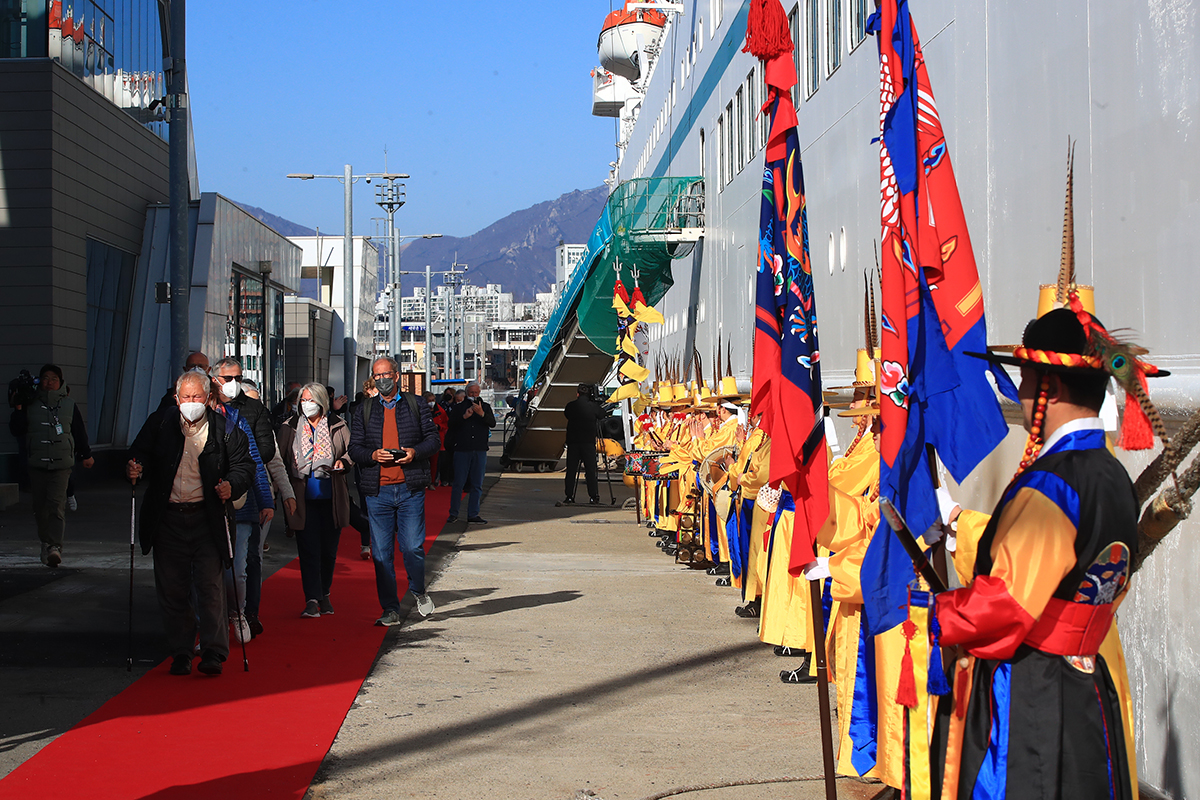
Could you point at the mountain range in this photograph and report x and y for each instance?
(516, 251)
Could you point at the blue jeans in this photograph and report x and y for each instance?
(397, 516)
(468, 467)
(245, 532)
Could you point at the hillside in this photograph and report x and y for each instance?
(516, 251)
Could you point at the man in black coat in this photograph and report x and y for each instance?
(227, 376)
(582, 415)
(194, 465)
(392, 436)
(470, 422)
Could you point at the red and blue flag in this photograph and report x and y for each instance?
(787, 358)
(932, 314)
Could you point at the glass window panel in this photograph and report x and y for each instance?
(833, 24)
(812, 45)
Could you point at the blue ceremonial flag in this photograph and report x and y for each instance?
(932, 304)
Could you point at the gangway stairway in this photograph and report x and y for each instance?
(572, 361)
(646, 224)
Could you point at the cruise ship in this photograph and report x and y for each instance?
(1013, 82)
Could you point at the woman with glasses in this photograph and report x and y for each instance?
(314, 447)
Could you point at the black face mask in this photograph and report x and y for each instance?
(385, 385)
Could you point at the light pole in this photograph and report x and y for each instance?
(179, 192)
(349, 312)
(390, 197)
(394, 313)
(454, 278)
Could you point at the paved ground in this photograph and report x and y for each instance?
(567, 658)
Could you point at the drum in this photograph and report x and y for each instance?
(645, 463)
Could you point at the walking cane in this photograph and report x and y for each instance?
(237, 601)
(132, 535)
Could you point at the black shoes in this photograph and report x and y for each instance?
(478, 520)
(451, 518)
(719, 569)
(799, 674)
(724, 582)
(210, 663)
(181, 665)
(750, 610)
(595, 501)
(256, 627)
(790, 652)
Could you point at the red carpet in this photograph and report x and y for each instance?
(261, 733)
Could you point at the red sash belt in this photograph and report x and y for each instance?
(1071, 629)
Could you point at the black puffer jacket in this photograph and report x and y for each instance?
(260, 422)
(366, 436)
(159, 447)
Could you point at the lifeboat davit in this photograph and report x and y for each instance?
(625, 34)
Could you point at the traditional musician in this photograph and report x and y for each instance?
(717, 449)
(1035, 710)
(748, 474)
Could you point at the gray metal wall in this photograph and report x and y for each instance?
(72, 167)
(1012, 82)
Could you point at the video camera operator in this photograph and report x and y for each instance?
(583, 416)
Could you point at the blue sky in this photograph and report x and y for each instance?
(487, 105)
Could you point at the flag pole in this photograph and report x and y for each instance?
(818, 623)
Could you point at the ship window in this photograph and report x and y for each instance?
(764, 117)
(752, 107)
(833, 22)
(700, 33)
(703, 174)
(858, 22)
(741, 128)
(812, 46)
(721, 151)
(729, 143)
(714, 10)
(794, 27)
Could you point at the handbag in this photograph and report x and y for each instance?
(317, 488)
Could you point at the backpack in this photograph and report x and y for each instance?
(409, 398)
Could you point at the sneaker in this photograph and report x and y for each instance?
(325, 606)
(389, 619)
(45, 552)
(241, 628)
(595, 501)
(210, 663)
(424, 605)
(365, 552)
(570, 501)
(256, 627)
(266, 547)
(451, 518)
(312, 609)
(53, 556)
(749, 611)
(478, 520)
(72, 503)
(181, 665)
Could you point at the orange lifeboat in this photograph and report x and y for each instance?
(625, 34)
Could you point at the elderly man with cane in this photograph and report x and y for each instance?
(195, 465)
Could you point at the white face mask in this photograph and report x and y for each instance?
(310, 408)
(192, 412)
(230, 389)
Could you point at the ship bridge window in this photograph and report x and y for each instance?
(794, 27)
(721, 151)
(741, 128)
(703, 173)
(752, 144)
(858, 22)
(833, 23)
(700, 33)
(730, 134)
(812, 46)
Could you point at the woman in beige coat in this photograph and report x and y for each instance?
(314, 448)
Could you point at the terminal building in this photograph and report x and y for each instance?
(83, 236)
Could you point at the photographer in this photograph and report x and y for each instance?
(583, 414)
(470, 422)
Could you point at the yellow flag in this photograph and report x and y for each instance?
(647, 314)
(631, 370)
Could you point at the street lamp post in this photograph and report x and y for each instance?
(394, 314)
(349, 312)
(454, 278)
(390, 197)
